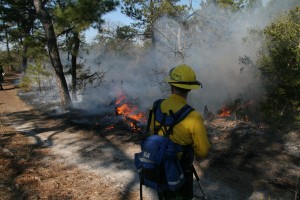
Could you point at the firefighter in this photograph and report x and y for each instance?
(1, 76)
(189, 132)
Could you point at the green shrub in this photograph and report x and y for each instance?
(279, 64)
(25, 84)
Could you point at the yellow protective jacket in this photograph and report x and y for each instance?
(190, 131)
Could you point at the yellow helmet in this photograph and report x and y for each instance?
(183, 76)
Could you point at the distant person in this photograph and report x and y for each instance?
(1, 76)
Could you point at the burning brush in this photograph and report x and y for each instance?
(130, 112)
(124, 115)
(238, 109)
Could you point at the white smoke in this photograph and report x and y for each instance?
(212, 44)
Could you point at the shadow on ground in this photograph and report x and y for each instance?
(243, 163)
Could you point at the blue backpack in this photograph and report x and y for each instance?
(158, 165)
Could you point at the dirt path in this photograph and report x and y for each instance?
(9, 101)
(45, 157)
(63, 162)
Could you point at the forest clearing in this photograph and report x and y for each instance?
(47, 157)
(74, 112)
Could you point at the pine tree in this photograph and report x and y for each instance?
(145, 13)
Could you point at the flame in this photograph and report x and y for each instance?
(129, 111)
(139, 117)
(120, 99)
(123, 110)
(224, 112)
(240, 109)
(134, 127)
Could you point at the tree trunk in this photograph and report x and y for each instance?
(152, 23)
(74, 64)
(25, 46)
(8, 51)
(24, 58)
(46, 20)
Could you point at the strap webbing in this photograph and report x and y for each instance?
(149, 122)
(169, 120)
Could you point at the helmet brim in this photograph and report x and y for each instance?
(185, 85)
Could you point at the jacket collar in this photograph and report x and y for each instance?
(178, 98)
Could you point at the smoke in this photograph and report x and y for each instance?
(210, 40)
(128, 75)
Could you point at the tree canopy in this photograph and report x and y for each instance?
(145, 13)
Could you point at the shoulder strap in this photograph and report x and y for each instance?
(149, 122)
(172, 119)
(179, 116)
(162, 116)
(154, 107)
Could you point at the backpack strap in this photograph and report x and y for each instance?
(154, 107)
(149, 122)
(169, 120)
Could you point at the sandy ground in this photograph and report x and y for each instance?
(45, 157)
(65, 163)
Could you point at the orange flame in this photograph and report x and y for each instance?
(138, 117)
(123, 110)
(130, 111)
(225, 112)
(120, 99)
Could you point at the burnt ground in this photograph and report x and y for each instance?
(46, 156)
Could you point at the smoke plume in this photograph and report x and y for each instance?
(209, 40)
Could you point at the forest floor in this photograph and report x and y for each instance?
(44, 156)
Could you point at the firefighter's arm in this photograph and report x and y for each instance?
(201, 144)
